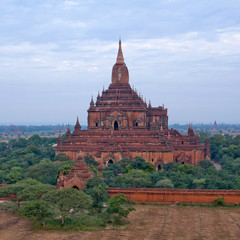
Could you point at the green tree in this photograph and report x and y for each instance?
(67, 201)
(199, 183)
(119, 207)
(141, 164)
(205, 164)
(15, 191)
(44, 172)
(96, 188)
(36, 210)
(65, 169)
(165, 183)
(135, 179)
(61, 157)
(15, 175)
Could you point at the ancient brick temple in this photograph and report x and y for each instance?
(121, 124)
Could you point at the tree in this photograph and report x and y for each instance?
(66, 200)
(44, 172)
(34, 192)
(205, 164)
(65, 169)
(15, 175)
(199, 183)
(135, 179)
(165, 183)
(96, 188)
(141, 164)
(90, 161)
(61, 157)
(36, 210)
(17, 192)
(35, 140)
(119, 207)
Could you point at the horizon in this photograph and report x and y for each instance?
(57, 54)
(85, 125)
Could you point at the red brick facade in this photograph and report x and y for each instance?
(76, 178)
(169, 196)
(121, 124)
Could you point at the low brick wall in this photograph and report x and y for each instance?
(169, 196)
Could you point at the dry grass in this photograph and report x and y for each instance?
(147, 222)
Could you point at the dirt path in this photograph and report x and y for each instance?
(148, 222)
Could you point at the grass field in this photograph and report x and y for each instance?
(147, 222)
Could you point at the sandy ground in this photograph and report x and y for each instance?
(148, 222)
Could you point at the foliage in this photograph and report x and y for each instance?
(45, 172)
(65, 169)
(27, 189)
(61, 157)
(18, 155)
(199, 183)
(225, 149)
(219, 202)
(36, 210)
(66, 200)
(15, 175)
(135, 179)
(119, 207)
(96, 188)
(90, 161)
(165, 183)
(206, 164)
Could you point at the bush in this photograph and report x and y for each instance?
(219, 202)
(96, 188)
(119, 208)
(36, 210)
(165, 183)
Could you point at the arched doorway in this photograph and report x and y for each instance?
(75, 187)
(159, 167)
(110, 161)
(115, 125)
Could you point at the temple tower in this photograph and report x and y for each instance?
(120, 70)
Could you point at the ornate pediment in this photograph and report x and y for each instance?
(183, 158)
(115, 113)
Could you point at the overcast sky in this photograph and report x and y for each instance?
(56, 54)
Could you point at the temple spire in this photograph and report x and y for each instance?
(59, 142)
(92, 102)
(68, 131)
(120, 58)
(77, 126)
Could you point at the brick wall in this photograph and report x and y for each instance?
(169, 196)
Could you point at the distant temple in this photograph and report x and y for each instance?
(122, 125)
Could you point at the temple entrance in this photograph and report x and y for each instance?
(159, 167)
(115, 125)
(75, 187)
(110, 161)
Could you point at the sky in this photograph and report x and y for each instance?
(56, 54)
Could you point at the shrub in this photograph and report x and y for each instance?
(219, 202)
(36, 210)
(119, 208)
(165, 183)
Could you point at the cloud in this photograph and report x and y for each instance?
(96, 55)
(68, 24)
(226, 43)
(71, 3)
